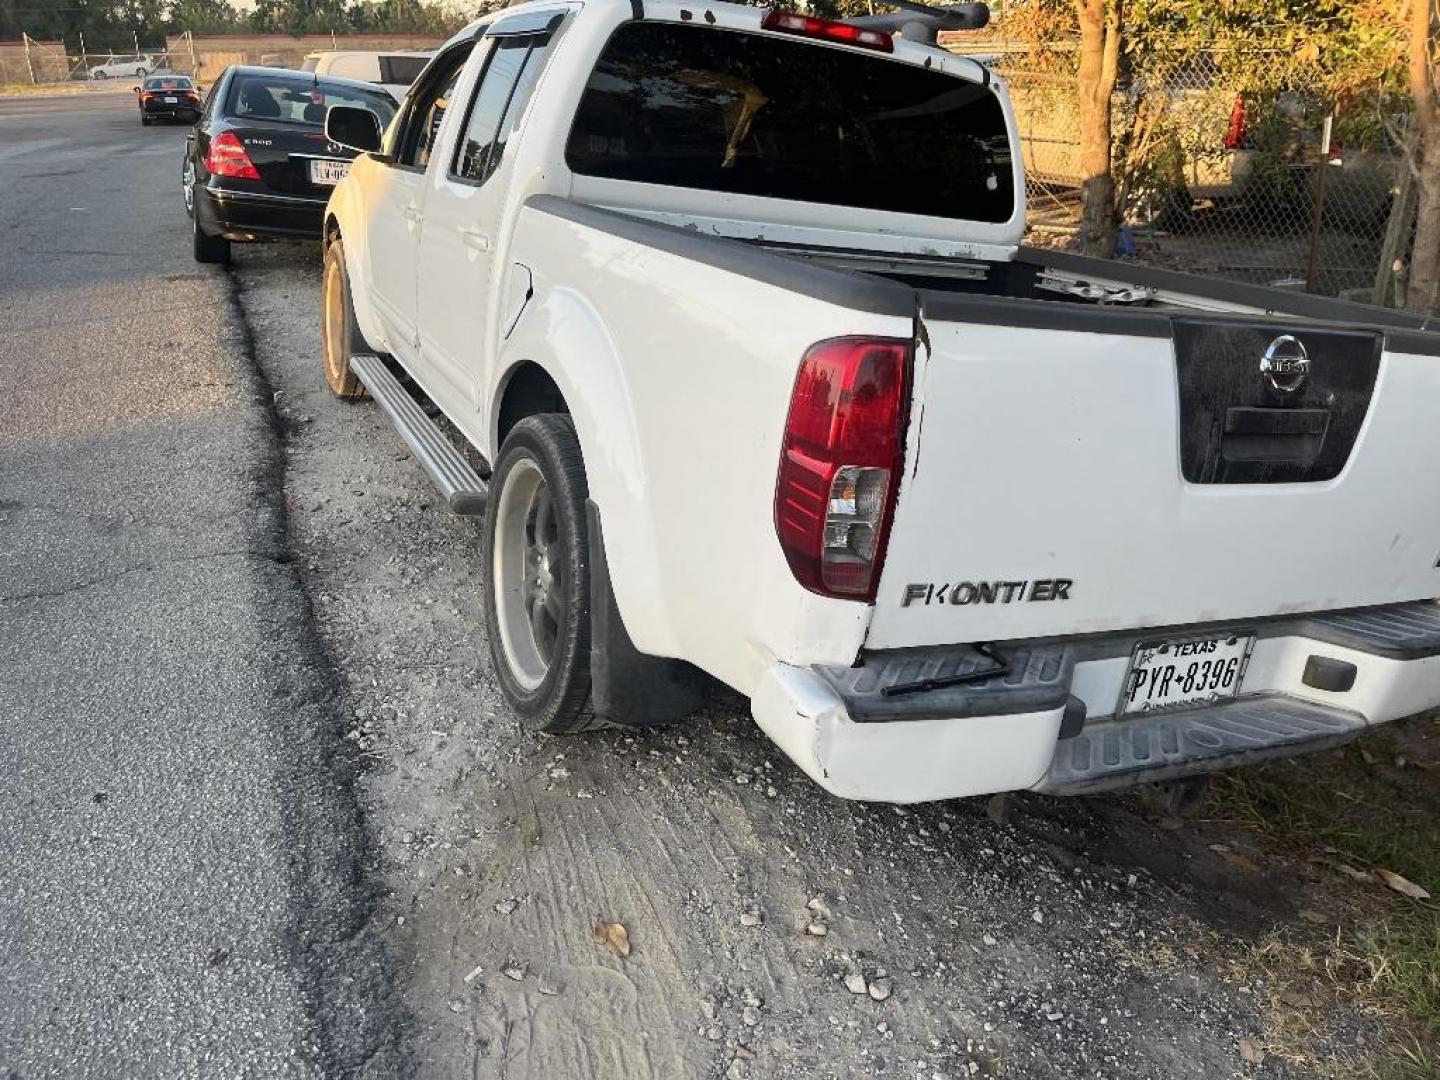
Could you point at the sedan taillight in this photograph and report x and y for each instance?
(841, 462)
(226, 157)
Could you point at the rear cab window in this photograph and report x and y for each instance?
(504, 90)
(765, 115)
(292, 99)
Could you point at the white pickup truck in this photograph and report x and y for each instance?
(757, 382)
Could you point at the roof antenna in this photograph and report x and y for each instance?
(921, 22)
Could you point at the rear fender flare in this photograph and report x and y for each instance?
(565, 336)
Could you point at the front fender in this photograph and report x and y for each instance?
(346, 209)
(567, 337)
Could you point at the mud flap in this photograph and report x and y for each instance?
(630, 688)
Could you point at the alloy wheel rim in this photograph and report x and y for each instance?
(529, 575)
(334, 323)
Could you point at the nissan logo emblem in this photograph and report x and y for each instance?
(1285, 364)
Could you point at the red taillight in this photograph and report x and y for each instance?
(226, 157)
(840, 463)
(788, 22)
(147, 96)
(1235, 133)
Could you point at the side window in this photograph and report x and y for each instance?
(426, 108)
(498, 104)
(401, 70)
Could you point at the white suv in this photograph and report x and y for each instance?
(118, 66)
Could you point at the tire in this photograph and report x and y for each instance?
(100, 75)
(208, 249)
(536, 525)
(340, 332)
(140, 73)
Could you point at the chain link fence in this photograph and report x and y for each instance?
(1218, 170)
(40, 62)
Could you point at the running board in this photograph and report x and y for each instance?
(447, 468)
(1166, 746)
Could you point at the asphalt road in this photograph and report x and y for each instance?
(183, 869)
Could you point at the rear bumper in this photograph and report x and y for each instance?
(169, 112)
(246, 216)
(1049, 726)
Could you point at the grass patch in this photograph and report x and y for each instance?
(44, 88)
(1373, 805)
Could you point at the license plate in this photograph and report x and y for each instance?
(172, 101)
(328, 172)
(1184, 672)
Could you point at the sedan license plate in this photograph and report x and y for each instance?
(328, 172)
(1184, 672)
(172, 101)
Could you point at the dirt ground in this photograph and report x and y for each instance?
(774, 931)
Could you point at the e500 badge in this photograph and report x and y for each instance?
(961, 593)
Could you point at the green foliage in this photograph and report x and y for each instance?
(116, 24)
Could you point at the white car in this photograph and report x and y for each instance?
(393, 70)
(124, 66)
(736, 311)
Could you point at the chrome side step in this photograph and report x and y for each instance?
(461, 485)
(1145, 749)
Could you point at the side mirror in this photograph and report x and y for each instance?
(134, 89)
(354, 128)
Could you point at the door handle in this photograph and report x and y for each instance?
(473, 238)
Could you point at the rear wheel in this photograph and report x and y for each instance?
(537, 600)
(207, 248)
(140, 73)
(340, 329)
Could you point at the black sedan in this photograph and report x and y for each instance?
(258, 165)
(168, 97)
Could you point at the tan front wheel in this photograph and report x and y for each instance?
(340, 331)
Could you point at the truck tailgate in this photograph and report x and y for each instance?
(1063, 480)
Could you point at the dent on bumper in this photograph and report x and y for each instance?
(904, 762)
(907, 761)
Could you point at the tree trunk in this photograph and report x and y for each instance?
(1423, 293)
(1099, 61)
(1391, 270)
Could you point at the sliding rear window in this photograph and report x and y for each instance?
(760, 114)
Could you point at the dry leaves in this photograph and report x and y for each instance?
(613, 936)
(1251, 1051)
(1239, 862)
(1352, 873)
(1403, 886)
